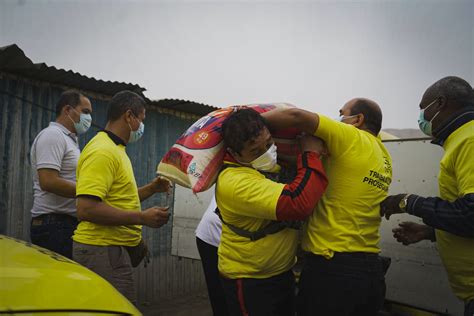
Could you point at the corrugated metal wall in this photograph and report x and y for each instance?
(167, 276)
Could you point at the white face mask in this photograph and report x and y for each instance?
(267, 161)
(343, 117)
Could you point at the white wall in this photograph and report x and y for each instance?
(188, 210)
(417, 276)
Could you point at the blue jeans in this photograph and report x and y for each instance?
(54, 232)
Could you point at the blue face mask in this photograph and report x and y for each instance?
(136, 135)
(425, 125)
(84, 123)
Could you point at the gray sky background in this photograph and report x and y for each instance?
(314, 54)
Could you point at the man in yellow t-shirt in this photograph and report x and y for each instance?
(447, 113)
(342, 273)
(108, 200)
(257, 251)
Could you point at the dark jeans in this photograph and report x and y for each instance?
(208, 255)
(54, 232)
(347, 284)
(469, 309)
(261, 297)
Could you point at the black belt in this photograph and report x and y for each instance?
(366, 258)
(53, 218)
(360, 255)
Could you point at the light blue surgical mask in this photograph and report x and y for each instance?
(136, 135)
(426, 126)
(85, 121)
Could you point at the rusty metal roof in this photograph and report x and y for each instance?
(13, 60)
(184, 106)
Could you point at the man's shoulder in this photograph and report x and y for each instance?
(101, 140)
(50, 136)
(460, 140)
(101, 146)
(337, 134)
(333, 126)
(234, 175)
(467, 132)
(366, 145)
(367, 139)
(50, 131)
(465, 143)
(230, 171)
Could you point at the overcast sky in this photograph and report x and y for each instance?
(314, 54)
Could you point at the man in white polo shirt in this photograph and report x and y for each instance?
(54, 156)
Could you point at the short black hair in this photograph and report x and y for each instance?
(242, 126)
(454, 89)
(372, 114)
(122, 102)
(68, 97)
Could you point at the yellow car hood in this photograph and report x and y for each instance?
(36, 279)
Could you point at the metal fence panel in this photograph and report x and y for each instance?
(26, 107)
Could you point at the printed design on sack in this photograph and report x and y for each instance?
(201, 138)
(192, 171)
(206, 132)
(178, 158)
(199, 124)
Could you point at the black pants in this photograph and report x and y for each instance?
(261, 297)
(469, 309)
(208, 255)
(54, 232)
(348, 284)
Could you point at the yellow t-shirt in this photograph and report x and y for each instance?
(248, 200)
(359, 170)
(456, 179)
(105, 171)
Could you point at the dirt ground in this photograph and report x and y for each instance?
(195, 305)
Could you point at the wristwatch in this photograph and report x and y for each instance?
(402, 205)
